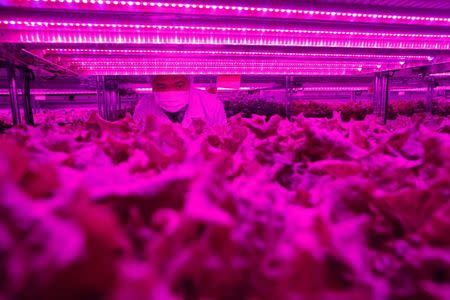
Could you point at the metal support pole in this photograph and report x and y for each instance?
(289, 93)
(430, 95)
(14, 99)
(27, 108)
(376, 94)
(108, 98)
(385, 96)
(381, 95)
(100, 94)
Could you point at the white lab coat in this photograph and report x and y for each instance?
(202, 105)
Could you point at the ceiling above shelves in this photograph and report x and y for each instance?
(103, 37)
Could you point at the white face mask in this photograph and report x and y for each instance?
(172, 101)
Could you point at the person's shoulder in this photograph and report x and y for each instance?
(205, 96)
(202, 93)
(146, 105)
(146, 100)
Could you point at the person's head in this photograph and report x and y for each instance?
(165, 83)
(171, 91)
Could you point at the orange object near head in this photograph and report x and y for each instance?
(229, 81)
(212, 90)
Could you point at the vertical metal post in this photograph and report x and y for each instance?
(289, 92)
(381, 95)
(14, 99)
(26, 95)
(376, 94)
(430, 95)
(108, 98)
(385, 95)
(101, 94)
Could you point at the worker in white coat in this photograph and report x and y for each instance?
(175, 100)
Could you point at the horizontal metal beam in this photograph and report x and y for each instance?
(42, 61)
(424, 70)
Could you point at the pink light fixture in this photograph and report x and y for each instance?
(142, 39)
(421, 89)
(137, 72)
(209, 67)
(214, 65)
(359, 88)
(4, 92)
(232, 10)
(143, 90)
(212, 62)
(334, 89)
(69, 51)
(444, 74)
(91, 27)
(319, 89)
(52, 92)
(126, 46)
(199, 36)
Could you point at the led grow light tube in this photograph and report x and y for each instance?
(52, 92)
(169, 70)
(144, 62)
(63, 51)
(421, 89)
(57, 37)
(46, 24)
(446, 74)
(233, 10)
